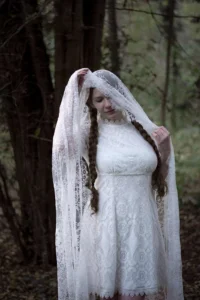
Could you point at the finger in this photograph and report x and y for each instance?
(157, 137)
(159, 131)
(162, 132)
(162, 135)
(159, 134)
(154, 134)
(165, 133)
(165, 130)
(83, 72)
(84, 69)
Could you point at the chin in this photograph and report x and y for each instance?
(113, 116)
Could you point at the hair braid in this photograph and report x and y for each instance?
(158, 182)
(93, 140)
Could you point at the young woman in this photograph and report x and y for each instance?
(117, 230)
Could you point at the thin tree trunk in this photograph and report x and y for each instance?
(174, 89)
(170, 39)
(113, 37)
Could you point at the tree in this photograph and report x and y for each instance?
(78, 32)
(113, 41)
(27, 102)
(30, 104)
(169, 29)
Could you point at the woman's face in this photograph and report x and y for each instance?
(104, 106)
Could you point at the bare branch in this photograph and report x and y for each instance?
(40, 138)
(156, 13)
(30, 19)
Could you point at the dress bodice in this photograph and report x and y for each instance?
(123, 151)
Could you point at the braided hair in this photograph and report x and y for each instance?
(92, 152)
(158, 182)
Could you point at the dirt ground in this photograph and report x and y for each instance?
(18, 282)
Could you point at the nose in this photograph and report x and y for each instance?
(107, 103)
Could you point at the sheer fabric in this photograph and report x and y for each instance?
(89, 261)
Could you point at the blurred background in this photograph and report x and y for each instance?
(154, 47)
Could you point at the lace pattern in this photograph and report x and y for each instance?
(123, 242)
(116, 263)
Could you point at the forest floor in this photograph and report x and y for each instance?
(19, 282)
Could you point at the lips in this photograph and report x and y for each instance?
(112, 110)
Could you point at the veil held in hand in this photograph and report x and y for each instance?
(70, 175)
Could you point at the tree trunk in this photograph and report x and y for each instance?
(78, 34)
(68, 43)
(175, 73)
(113, 38)
(170, 39)
(43, 177)
(14, 79)
(28, 100)
(30, 121)
(93, 17)
(196, 104)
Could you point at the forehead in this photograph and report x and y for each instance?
(96, 93)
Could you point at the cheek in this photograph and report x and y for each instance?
(98, 106)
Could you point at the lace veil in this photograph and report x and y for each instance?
(69, 168)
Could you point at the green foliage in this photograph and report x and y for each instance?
(187, 149)
(143, 69)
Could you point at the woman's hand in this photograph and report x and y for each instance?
(81, 75)
(162, 137)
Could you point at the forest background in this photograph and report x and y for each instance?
(154, 47)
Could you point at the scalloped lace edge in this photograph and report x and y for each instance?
(147, 292)
(110, 121)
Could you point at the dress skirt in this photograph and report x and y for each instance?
(122, 246)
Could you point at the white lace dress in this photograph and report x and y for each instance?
(122, 247)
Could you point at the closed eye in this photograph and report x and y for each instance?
(99, 99)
